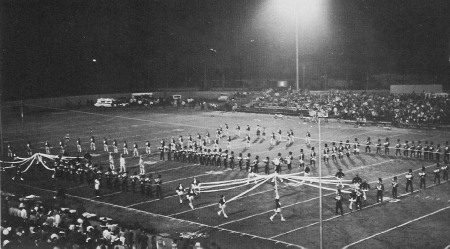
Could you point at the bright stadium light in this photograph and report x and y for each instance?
(310, 18)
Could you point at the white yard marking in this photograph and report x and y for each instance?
(393, 228)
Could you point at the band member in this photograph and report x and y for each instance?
(122, 164)
(444, 170)
(308, 138)
(116, 150)
(111, 161)
(78, 145)
(356, 147)
(378, 146)
(266, 166)
(47, 149)
(301, 159)
(147, 148)
(380, 189)
(397, 148)
(29, 150)
(412, 149)
(238, 130)
(105, 144)
(394, 188)
(437, 174)
(339, 199)
(386, 146)
(326, 151)
(368, 143)
(125, 148)
(92, 143)
(422, 176)
(409, 179)
(312, 160)
(135, 150)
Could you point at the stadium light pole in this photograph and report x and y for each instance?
(296, 52)
(320, 193)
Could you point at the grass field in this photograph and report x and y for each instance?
(418, 220)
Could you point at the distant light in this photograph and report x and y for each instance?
(94, 60)
(211, 49)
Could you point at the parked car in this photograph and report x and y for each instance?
(104, 102)
(224, 97)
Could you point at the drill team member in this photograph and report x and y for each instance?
(365, 187)
(190, 197)
(180, 192)
(238, 130)
(272, 139)
(340, 176)
(409, 179)
(277, 209)
(222, 204)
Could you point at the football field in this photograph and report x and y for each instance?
(418, 220)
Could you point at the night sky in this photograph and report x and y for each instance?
(49, 47)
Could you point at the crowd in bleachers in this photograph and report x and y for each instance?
(28, 223)
(404, 108)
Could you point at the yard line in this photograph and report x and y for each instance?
(393, 228)
(315, 223)
(173, 219)
(81, 186)
(111, 194)
(149, 201)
